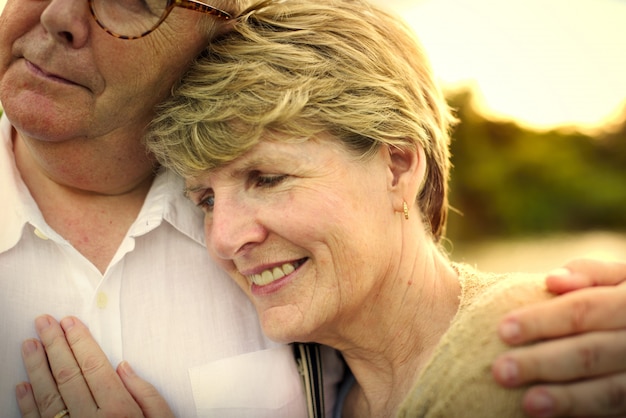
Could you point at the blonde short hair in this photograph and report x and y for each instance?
(297, 68)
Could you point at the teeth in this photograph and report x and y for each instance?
(269, 276)
(288, 268)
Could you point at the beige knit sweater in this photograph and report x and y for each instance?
(457, 381)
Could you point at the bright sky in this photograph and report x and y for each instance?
(544, 62)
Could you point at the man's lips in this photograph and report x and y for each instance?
(50, 76)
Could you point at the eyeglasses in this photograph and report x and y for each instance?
(133, 19)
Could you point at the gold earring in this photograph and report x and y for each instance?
(405, 208)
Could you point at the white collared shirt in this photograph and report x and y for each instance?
(162, 304)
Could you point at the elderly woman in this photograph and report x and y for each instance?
(316, 140)
(320, 156)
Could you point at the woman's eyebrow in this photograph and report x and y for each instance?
(187, 191)
(252, 164)
(240, 170)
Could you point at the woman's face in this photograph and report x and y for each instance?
(304, 229)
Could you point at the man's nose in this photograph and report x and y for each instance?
(68, 21)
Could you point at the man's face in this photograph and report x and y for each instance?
(62, 77)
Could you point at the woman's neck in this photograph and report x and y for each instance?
(398, 336)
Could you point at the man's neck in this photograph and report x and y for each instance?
(88, 203)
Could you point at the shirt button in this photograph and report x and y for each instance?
(40, 234)
(102, 300)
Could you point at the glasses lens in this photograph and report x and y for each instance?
(129, 18)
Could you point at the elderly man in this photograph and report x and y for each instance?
(92, 228)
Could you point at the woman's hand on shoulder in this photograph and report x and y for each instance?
(577, 364)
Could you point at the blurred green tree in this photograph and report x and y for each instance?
(510, 181)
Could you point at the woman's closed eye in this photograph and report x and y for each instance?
(267, 180)
(263, 181)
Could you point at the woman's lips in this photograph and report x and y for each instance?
(275, 273)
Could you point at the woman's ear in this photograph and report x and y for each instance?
(408, 169)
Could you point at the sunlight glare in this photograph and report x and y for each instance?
(543, 62)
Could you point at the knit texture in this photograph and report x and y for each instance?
(457, 381)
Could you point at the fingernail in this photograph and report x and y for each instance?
(126, 369)
(508, 372)
(42, 322)
(560, 272)
(510, 330)
(29, 347)
(541, 404)
(22, 390)
(67, 323)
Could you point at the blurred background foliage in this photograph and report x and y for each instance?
(510, 181)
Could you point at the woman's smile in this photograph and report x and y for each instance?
(272, 274)
(272, 279)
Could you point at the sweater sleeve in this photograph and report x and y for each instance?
(457, 382)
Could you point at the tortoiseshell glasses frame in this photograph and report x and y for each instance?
(170, 5)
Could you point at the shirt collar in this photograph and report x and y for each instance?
(18, 205)
(166, 201)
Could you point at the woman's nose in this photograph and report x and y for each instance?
(232, 228)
